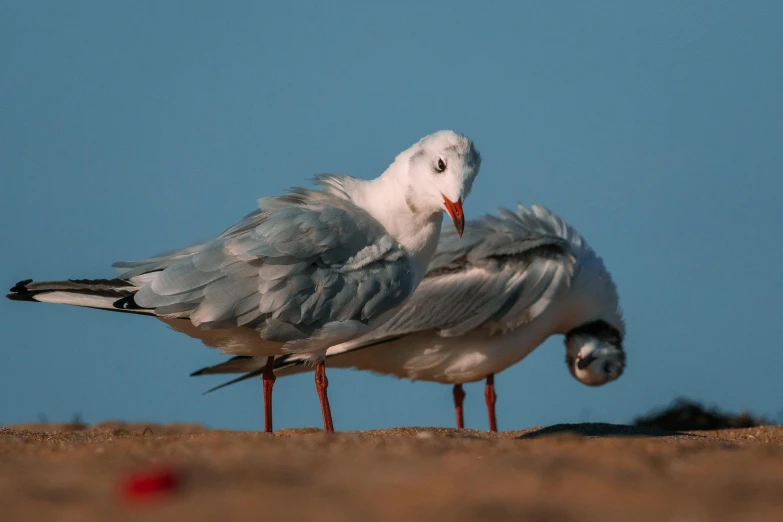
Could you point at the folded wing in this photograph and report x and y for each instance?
(308, 269)
(506, 272)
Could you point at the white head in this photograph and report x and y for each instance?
(594, 353)
(441, 168)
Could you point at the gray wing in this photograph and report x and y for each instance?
(508, 271)
(504, 272)
(495, 293)
(306, 269)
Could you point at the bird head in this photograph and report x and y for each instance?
(441, 170)
(594, 353)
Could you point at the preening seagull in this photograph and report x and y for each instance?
(305, 271)
(487, 301)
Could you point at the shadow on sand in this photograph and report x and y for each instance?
(600, 429)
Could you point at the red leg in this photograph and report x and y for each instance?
(489, 395)
(269, 381)
(459, 397)
(321, 383)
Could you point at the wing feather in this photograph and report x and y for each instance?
(505, 272)
(305, 269)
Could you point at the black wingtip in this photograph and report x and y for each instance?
(127, 303)
(206, 369)
(21, 286)
(241, 378)
(281, 361)
(20, 292)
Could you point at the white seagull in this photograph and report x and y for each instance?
(303, 272)
(487, 301)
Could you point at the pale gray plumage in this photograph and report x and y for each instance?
(510, 266)
(305, 271)
(310, 259)
(487, 301)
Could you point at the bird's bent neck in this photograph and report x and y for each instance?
(592, 296)
(391, 200)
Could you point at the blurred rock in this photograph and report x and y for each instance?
(685, 415)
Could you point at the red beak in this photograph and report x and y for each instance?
(455, 211)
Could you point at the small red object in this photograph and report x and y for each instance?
(150, 483)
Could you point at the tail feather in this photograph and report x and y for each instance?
(103, 294)
(241, 378)
(288, 364)
(253, 366)
(237, 364)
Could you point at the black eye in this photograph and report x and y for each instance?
(607, 368)
(441, 165)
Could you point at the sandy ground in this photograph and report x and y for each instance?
(565, 472)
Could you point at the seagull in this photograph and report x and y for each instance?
(487, 301)
(305, 271)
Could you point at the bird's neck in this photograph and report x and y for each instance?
(592, 296)
(392, 201)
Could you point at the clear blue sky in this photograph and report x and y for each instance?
(655, 128)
